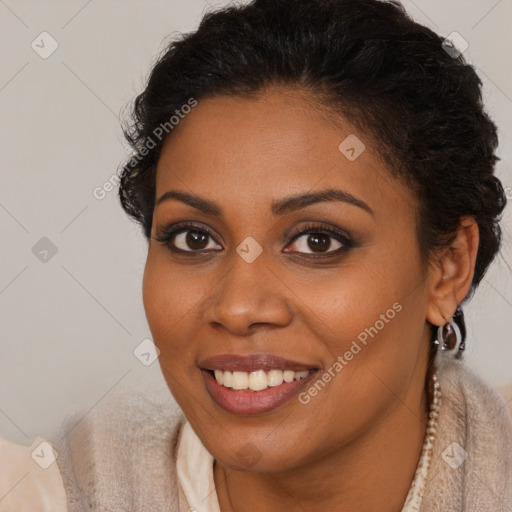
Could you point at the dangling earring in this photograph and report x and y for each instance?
(449, 338)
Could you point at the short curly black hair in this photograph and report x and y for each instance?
(364, 59)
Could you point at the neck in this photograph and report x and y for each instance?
(374, 472)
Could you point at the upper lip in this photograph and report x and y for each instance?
(252, 362)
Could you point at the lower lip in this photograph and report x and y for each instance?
(253, 402)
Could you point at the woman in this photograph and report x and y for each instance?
(315, 182)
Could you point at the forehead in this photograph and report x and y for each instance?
(251, 151)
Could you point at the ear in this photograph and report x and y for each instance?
(452, 273)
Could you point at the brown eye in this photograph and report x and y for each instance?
(311, 243)
(196, 240)
(193, 241)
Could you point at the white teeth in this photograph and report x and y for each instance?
(240, 380)
(288, 375)
(227, 379)
(275, 377)
(257, 380)
(218, 376)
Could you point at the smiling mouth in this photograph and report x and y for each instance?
(238, 398)
(249, 384)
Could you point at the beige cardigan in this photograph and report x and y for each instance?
(121, 456)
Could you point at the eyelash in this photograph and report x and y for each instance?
(165, 235)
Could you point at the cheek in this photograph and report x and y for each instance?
(369, 307)
(371, 320)
(169, 301)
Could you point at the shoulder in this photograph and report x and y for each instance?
(471, 465)
(29, 477)
(465, 390)
(120, 455)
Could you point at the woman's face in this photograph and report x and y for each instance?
(333, 284)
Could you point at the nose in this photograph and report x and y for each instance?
(247, 295)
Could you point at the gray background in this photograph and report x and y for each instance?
(70, 324)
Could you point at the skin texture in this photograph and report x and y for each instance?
(355, 445)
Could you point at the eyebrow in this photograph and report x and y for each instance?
(280, 207)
